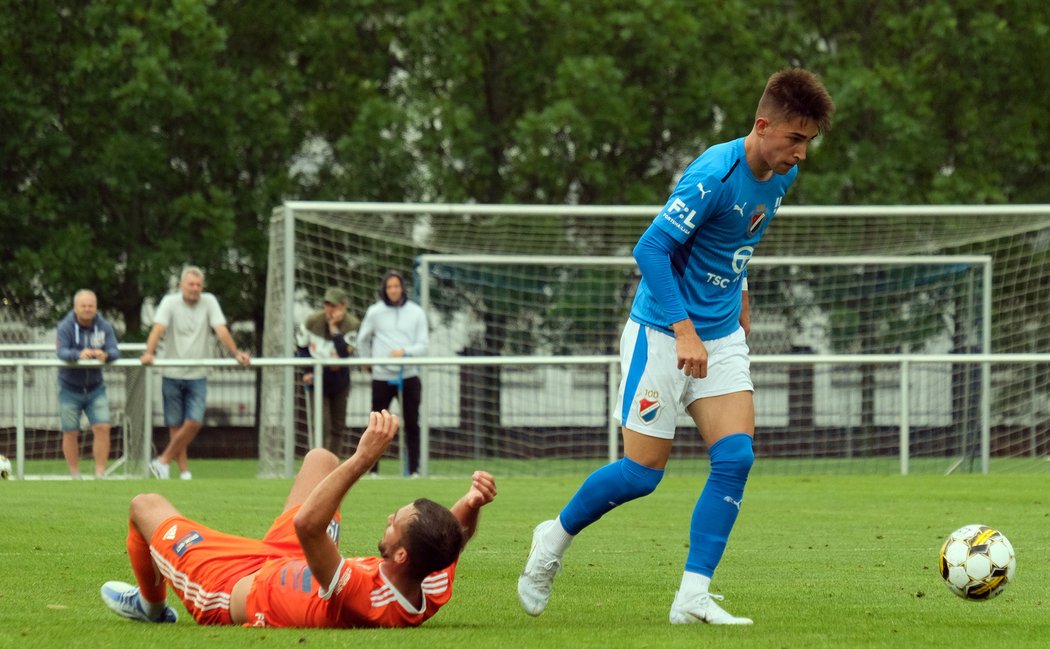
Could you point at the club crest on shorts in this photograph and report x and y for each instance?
(648, 409)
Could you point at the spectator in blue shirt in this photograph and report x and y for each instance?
(84, 335)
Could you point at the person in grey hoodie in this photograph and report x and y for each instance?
(84, 335)
(396, 327)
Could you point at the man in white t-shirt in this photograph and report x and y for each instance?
(182, 321)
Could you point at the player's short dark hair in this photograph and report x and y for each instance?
(797, 93)
(433, 538)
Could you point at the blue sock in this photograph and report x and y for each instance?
(607, 488)
(719, 503)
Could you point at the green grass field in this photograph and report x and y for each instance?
(825, 561)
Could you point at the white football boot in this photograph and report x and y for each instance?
(702, 608)
(534, 584)
(124, 599)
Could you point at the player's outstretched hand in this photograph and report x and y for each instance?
(482, 490)
(381, 431)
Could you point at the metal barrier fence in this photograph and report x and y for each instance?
(140, 409)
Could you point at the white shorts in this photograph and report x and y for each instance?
(652, 387)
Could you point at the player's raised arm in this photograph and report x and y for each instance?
(312, 519)
(482, 491)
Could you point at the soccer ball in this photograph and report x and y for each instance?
(5, 468)
(977, 562)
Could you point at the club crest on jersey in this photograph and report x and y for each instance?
(648, 409)
(757, 217)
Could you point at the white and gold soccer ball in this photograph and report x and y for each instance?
(5, 468)
(977, 562)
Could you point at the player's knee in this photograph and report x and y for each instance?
(322, 456)
(145, 503)
(733, 455)
(642, 479)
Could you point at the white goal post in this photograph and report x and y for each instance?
(979, 297)
(802, 310)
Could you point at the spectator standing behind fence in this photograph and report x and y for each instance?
(396, 327)
(84, 335)
(182, 321)
(325, 334)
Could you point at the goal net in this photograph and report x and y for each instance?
(551, 283)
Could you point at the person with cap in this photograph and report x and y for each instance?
(395, 327)
(324, 334)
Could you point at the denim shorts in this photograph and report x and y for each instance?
(183, 400)
(71, 403)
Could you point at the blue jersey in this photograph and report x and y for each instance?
(696, 250)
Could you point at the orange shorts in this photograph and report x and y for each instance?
(202, 565)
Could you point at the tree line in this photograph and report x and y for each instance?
(141, 136)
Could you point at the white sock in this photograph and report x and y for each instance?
(557, 539)
(152, 609)
(693, 584)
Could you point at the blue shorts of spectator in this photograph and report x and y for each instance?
(72, 403)
(183, 400)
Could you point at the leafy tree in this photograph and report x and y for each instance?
(153, 137)
(140, 137)
(516, 101)
(935, 100)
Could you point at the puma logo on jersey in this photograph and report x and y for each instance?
(740, 208)
(703, 192)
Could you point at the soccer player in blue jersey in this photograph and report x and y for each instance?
(684, 344)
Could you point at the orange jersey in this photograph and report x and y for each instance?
(285, 594)
(202, 566)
